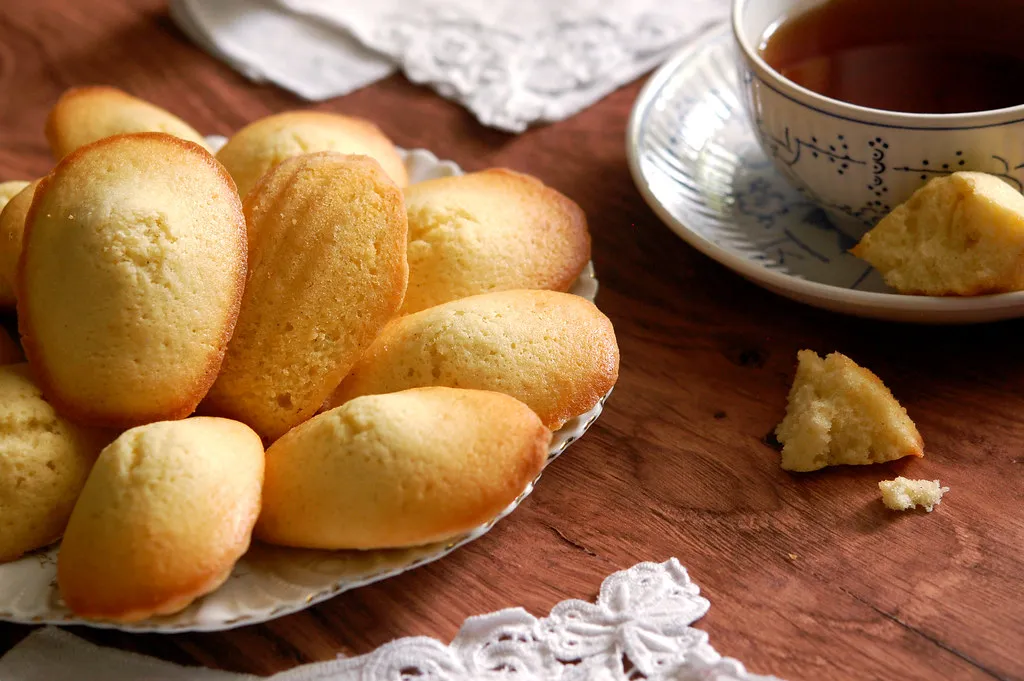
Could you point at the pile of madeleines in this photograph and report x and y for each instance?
(284, 341)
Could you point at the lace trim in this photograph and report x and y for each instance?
(639, 628)
(508, 80)
(512, 76)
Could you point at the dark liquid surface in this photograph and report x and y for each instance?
(939, 56)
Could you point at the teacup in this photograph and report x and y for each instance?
(855, 162)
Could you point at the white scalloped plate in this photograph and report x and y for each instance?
(695, 159)
(271, 581)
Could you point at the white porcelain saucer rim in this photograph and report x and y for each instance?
(869, 303)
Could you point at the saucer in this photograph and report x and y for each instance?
(697, 163)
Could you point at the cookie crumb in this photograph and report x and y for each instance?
(903, 494)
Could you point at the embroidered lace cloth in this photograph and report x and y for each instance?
(510, 62)
(639, 628)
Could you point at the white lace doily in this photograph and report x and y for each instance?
(639, 628)
(510, 62)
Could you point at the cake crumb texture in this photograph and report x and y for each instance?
(959, 235)
(841, 413)
(903, 494)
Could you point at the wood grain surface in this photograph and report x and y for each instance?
(809, 576)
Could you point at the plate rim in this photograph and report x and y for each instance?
(888, 306)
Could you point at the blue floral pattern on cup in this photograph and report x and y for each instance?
(856, 162)
(700, 166)
(703, 159)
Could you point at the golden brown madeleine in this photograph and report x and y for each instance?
(44, 461)
(327, 236)
(130, 279)
(166, 512)
(496, 230)
(404, 469)
(261, 145)
(84, 115)
(8, 190)
(12, 231)
(553, 351)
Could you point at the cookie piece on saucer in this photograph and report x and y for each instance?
(398, 470)
(130, 279)
(166, 512)
(84, 115)
(553, 351)
(44, 461)
(261, 145)
(959, 235)
(12, 231)
(495, 230)
(327, 239)
(841, 413)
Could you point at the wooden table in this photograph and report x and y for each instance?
(809, 576)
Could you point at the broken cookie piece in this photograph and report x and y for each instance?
(958, 235)
(841, 413)
(903, 494)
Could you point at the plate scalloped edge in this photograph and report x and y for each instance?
(271, 582)
(656, 187)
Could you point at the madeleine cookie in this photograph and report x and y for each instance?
(261, 145)
(496, 230)
(397, 470)
(841, 413)
(44, 461)
(12, 231)
(327, 236)
(8, 190)
(555, 352)
(84, 115)
(166, 512)
(130, 279)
